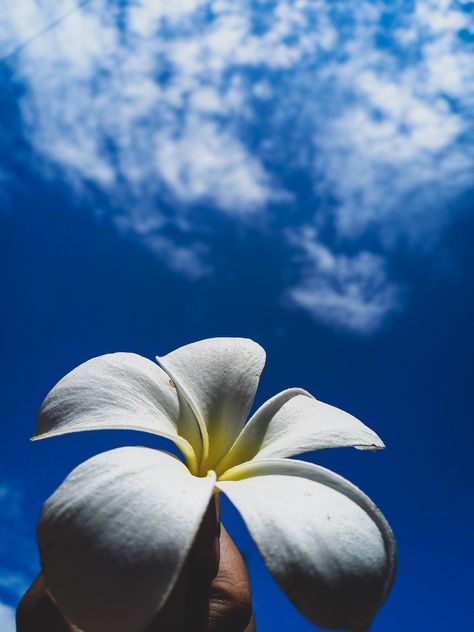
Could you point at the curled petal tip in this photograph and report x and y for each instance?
(375, 444)
(371, 447)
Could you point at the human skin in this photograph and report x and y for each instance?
(212, 593)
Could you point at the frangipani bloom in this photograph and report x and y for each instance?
(116, 533)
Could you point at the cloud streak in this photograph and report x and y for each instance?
(7, 618)
(201, 103)
(349, 291)
(17, 553)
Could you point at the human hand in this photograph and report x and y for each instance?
(212, 593)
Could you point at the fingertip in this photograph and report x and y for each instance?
(37, 612)
(187, 605)
(205, 554)
(230, 604)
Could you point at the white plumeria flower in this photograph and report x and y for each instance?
(126, 519)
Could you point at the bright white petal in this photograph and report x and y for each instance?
(120, 391)
(294, 422)
(219, 378)
(327, 545)
(115, 535)
(250, 440)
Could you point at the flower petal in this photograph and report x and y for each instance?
(250, 440)
(326, 544)
(115, 534)
(120, 391)
(219, 378)
(293, 422)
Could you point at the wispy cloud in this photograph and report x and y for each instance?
(349, 291)
(399, 145)
(17, 552)
(393, 151)
(205, 163)
(7, 618)
(176, 105)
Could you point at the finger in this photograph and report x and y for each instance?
(37, 612)
(230, 604)
(186, 608)
(251, 626)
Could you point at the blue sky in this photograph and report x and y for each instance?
(295, 171)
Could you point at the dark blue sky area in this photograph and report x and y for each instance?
(322, 229)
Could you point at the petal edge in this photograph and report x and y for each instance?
(327, 545)
(294, 422)
(115, 535)
(219, 378)
(119, 391)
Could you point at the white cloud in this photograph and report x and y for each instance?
(93, 89)
(10, 502)
(17, 550)
(188, 260)
(7, 618)
(393, 151)
(14, 583)
(157, 102)
(394, 154)
(351, 292)
(203, 162)
(95, 108)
